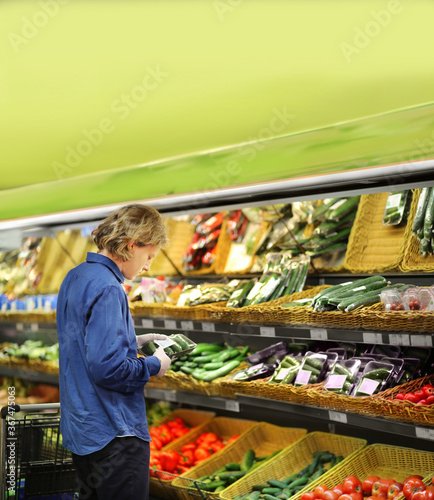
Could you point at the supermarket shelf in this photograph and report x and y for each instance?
(245, 405)
(300, 332)
(29, 375)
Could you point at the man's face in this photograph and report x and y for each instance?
(141, 259)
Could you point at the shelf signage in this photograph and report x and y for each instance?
(337, 416)
(187, 325)
(232, 405)
(170, 324)
(147, 323)
(208, 327)
(267, 331)
(399, 339)
(372, 338)
(424, 433)
(421, 340)
(318, 334)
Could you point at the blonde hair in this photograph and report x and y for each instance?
(139, 223)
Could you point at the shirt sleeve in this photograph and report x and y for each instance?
(113, 361)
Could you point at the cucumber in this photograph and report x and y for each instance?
(429, 217)
(332, 227)
(247, 460)
(326, 241)
(364, 300)
(336, 213)
(319, 211)
(277, 484)
(239, 295)
(233, 473)
(281, 287)
(211, 375)
(301, 278)
(233, 466)
(293, 276)
(337, 247)
(313, 362)
(378, 373)
(205, 348)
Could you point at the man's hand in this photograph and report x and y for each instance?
(164, 360)
(148, 337)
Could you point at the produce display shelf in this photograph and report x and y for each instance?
(29, 375)
(296, 332)
(245, 403)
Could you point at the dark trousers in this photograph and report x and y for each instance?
(120, 471)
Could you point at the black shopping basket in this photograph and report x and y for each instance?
(34, 464)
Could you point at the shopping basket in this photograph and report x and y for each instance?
(34, 464)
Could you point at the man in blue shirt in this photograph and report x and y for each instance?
(101, 379)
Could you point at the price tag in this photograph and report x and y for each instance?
(399, 339)
(208, 327)
(187, 325)
(303, 377)
(170, 324)
(421, 340)
(282, 373)
(368, 386)
(20, 327)
(423, 433)
(335, 381)
(164, 342)
(336, 416)
(232, 405)
(372, 338)
(267, 331)
(148, 323)
(170, 396)
(318, 333)
(34, 327)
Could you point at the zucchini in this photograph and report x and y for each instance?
(281, 287)
(319, 211)
(247, 460)
(293, 276)
(332, 227)
(429, 217)
(301, 277)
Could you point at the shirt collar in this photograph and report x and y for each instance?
(102, 259)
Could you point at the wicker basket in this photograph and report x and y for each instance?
(191, 418)
(413, 260)
(268, 312)
(382, 404)
(375, 318)
(182, 382)
(222, 426)
(373, 247)
(296, 457)
(263, 438)
(387, 461)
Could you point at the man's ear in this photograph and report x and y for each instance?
(131, 244)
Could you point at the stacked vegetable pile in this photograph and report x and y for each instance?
(422, 397)
(283, 275)
(228, 474)
(423, 224)
(283, 489)
(372, 488)
(191, 454)
(343, 369)
(208, 362)
(31, 350)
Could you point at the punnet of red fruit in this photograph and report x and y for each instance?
(422, 397)
(374, 488)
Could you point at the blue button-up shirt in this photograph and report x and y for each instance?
(101, 379)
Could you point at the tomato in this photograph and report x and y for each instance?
(428, 390)
(352, 484)
(420, 394)
(367, 484)
(381, 486)
(331, 495)
(419, 495)
(394, 490)
(233, 438)
(413, 476)
(429, 493)
(307, 496)
(411, 486)
(339, 488)
(319, 491)
(400, 396)
(411, 397)
(430, 400)
(421, 402)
